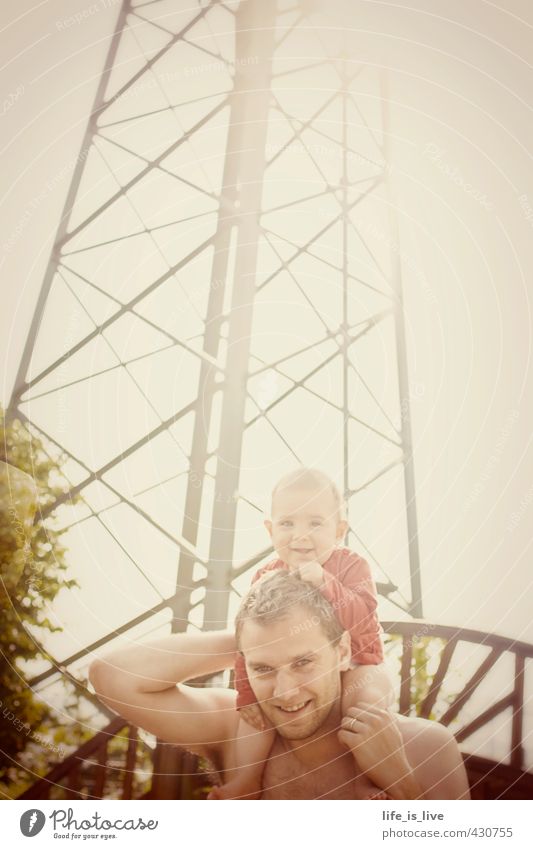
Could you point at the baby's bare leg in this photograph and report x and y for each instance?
(370, 684)
(245, 771)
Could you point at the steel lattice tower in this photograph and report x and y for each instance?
(223, 301)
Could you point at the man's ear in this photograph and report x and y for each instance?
(268, 525)
(345, 652)
(342, 528)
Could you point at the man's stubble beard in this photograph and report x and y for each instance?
(320, 719)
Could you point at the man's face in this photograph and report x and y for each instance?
(294, 671)
(305, 525)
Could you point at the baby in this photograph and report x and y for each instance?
(307, 530)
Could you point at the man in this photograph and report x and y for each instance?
(295, 652)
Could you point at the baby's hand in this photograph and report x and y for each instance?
(311, 572)
(253, 715)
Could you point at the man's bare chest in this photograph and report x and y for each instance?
(286, 778)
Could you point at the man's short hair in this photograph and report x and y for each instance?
(273, 597)
(311, 479)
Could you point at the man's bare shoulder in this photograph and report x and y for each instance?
(413, 726)
(434, 756)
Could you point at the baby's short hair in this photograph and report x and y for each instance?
(307, 478)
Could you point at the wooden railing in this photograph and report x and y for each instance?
(507, 777)
(86, 773)
(89, 771)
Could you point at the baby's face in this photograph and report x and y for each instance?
(305, 525)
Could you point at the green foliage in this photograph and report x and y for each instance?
(421, 678)
(426, 652)
(33, 571)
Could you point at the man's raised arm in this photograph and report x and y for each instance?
(144, 685)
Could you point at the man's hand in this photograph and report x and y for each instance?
(254, 716)
(312, 572)
(374, 739)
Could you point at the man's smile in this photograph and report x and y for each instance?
(293, 708)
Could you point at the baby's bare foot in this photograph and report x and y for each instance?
(379, 794)
(366, 789)
(216, 793)
(236, 789)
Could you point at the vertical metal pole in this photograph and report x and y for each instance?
(255, 41)
(403, 377)
(241, 168)
(345, 385)
(207, 386)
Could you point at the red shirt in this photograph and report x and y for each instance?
(350, 589)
